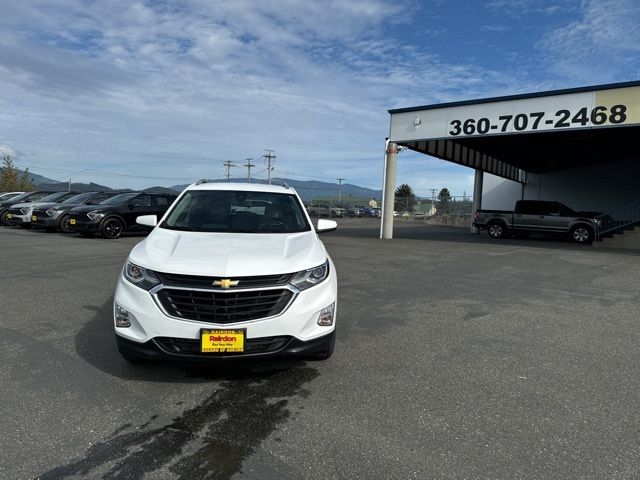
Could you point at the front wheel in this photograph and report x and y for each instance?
(64, 225)
(581, 234)
(112, 228)
(496, 230)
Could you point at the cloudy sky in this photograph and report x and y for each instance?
(162, 92)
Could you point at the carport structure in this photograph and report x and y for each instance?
(576, 145)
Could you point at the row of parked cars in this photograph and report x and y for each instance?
(340, 211)
(109, 214)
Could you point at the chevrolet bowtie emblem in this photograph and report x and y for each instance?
(225, 283)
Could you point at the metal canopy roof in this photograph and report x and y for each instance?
(602, 125)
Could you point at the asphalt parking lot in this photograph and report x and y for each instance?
(457, 357)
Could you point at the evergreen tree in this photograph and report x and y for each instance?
(405, 199)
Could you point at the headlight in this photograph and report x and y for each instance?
(141, 277)
(52, 212)
(93, 216)
(26, 210)
(309, 278)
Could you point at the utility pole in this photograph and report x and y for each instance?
(249, 166)
(433, 195)
(270, 158)
(69, 188)
(228, 164)
(340, 180)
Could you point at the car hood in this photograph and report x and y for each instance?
(25, 204)
(588, 214)
(44, 206)
(228, 254)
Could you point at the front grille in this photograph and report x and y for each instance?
(40, 213)
(173, 279)
(224, 307)
(188, 346)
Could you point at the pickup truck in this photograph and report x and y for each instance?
(536, 216)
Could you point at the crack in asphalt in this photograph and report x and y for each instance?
(218, 434)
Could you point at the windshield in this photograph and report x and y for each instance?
(53, 198)
(237, 211)
(119, 199)
(79, 198)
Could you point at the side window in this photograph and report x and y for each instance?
(141, 201)
(159, 201)
(99, 197)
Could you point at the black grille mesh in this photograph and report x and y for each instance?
(224, 307)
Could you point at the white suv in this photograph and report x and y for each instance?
(230, 271)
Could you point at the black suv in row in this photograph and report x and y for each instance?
(55, 216)
(112, 217)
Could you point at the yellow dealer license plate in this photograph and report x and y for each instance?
(72, 221)
(9, 216)
(222, 341)
(34, 218)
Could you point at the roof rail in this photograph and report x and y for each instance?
(286, 185)
(203, 180)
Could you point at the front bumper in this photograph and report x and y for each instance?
(43, 220)
(163, 348)
(152, 331)
(18, 219)
(83, 225)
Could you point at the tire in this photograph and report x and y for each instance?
(3, 218)
(325, 354)
(64, 225)
(581, 234)
(497, 230)
(112, 228)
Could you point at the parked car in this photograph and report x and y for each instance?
(118, 214)
(353, 211)
(371, 212)
(535, 216)
(321, 210)
(17, 210)
(231, 271)
(55, 216)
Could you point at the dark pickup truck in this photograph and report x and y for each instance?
(536, 216)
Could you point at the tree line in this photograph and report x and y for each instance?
(11, 180)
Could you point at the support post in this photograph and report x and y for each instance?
(388, 192)
(477, 195)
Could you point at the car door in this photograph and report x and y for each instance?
(529, 215)
(557, 217)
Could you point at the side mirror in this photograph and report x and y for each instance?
(147, 220)
(326, 226)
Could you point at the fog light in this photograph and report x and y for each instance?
(123, 319)
(325, 319)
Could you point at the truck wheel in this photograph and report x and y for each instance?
(496, 230)
(581, 234)
(112, 228)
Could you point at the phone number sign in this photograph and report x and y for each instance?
(603, 108)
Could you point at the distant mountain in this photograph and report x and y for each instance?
(160, 190)
(39, 179)
(75, 187)
(314, 190)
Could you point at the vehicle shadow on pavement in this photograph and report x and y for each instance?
(247, 404)
(95, 343)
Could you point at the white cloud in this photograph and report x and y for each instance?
(176, 89)
(599, 46)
